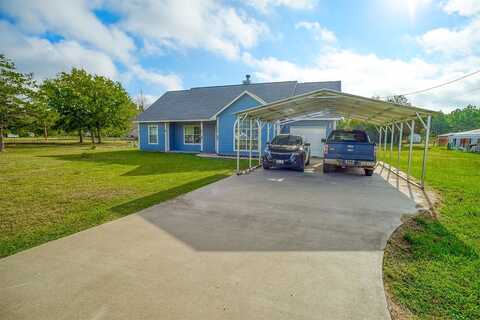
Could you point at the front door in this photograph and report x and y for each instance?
(209, 137)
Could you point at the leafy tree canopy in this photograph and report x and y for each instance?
(16, 89)
(88, 102)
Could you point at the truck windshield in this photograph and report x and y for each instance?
(287, 140)
(348, 136)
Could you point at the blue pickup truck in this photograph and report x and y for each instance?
(349, 148)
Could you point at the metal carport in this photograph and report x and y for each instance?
(386, 116)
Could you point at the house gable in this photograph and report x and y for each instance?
(227, 117)
(251, 95)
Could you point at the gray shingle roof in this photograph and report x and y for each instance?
(204, 102)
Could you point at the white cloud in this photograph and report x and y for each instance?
(73, 20)
(462, 7)
(147, 99)
(464, 40)
(168, 81)
(218, 27)
(459, 41)
(88, 44)
(45, 59)
(150, 99)
(369, 75)
(265, 5)
(319, 32)
(191, 24)
(101, 48)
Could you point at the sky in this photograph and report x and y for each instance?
(375, 47)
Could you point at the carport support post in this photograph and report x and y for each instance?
(259, 144)
(410, 148)
(250, 147)
(385, 146)
(268, 131)
(391, 146)
(399, 147)
(425, 151)
(380, 131)
(238, 145)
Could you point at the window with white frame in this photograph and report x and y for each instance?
(192, 134)
(152, 134)
(245, 135)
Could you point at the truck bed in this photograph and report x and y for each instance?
(351, 151)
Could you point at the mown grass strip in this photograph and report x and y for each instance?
(50, 191)
(433, 268)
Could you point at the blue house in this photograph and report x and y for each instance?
(203, 119)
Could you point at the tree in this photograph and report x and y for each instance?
(402, 100)
(464, 119)
(44, 116)
(15, 92)
(440, 124)
(141, 102)
(89, 103)
(69, 94)
(112, 107)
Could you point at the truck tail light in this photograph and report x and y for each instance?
(325, 148)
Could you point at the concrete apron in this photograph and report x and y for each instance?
(268, 245)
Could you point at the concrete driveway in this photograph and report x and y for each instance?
(268, 245)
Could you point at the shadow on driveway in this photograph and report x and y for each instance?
(281, 210)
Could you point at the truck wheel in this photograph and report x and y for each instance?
(265, 165)
(327, 168)
(368, 172)
(301, 167)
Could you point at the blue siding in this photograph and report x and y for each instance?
(226, 122)
(143, 136)
(176, 138)
(172, 134)
(309, 123)
(209, 137)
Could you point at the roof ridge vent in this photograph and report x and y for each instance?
(247, 79)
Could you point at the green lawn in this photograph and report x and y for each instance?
(434, 270)
(50, 191)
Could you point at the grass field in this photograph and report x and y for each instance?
(64, 140)
(435, 270)
(50, 191)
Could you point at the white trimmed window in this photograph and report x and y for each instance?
(245, 135)
(192, 134)
(152, 134)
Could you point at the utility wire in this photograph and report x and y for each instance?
(434, 87)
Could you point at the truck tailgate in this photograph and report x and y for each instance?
(351, 151)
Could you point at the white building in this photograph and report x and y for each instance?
(467, 140)
(417, 138)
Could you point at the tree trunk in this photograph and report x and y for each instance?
(45, 131)
(2, 143)
(92, 135)
(80, 135)
(99, 136)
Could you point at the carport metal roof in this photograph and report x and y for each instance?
(348, 105)
(387, 117)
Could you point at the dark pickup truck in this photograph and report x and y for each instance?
(349, 148)
(287, 151)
